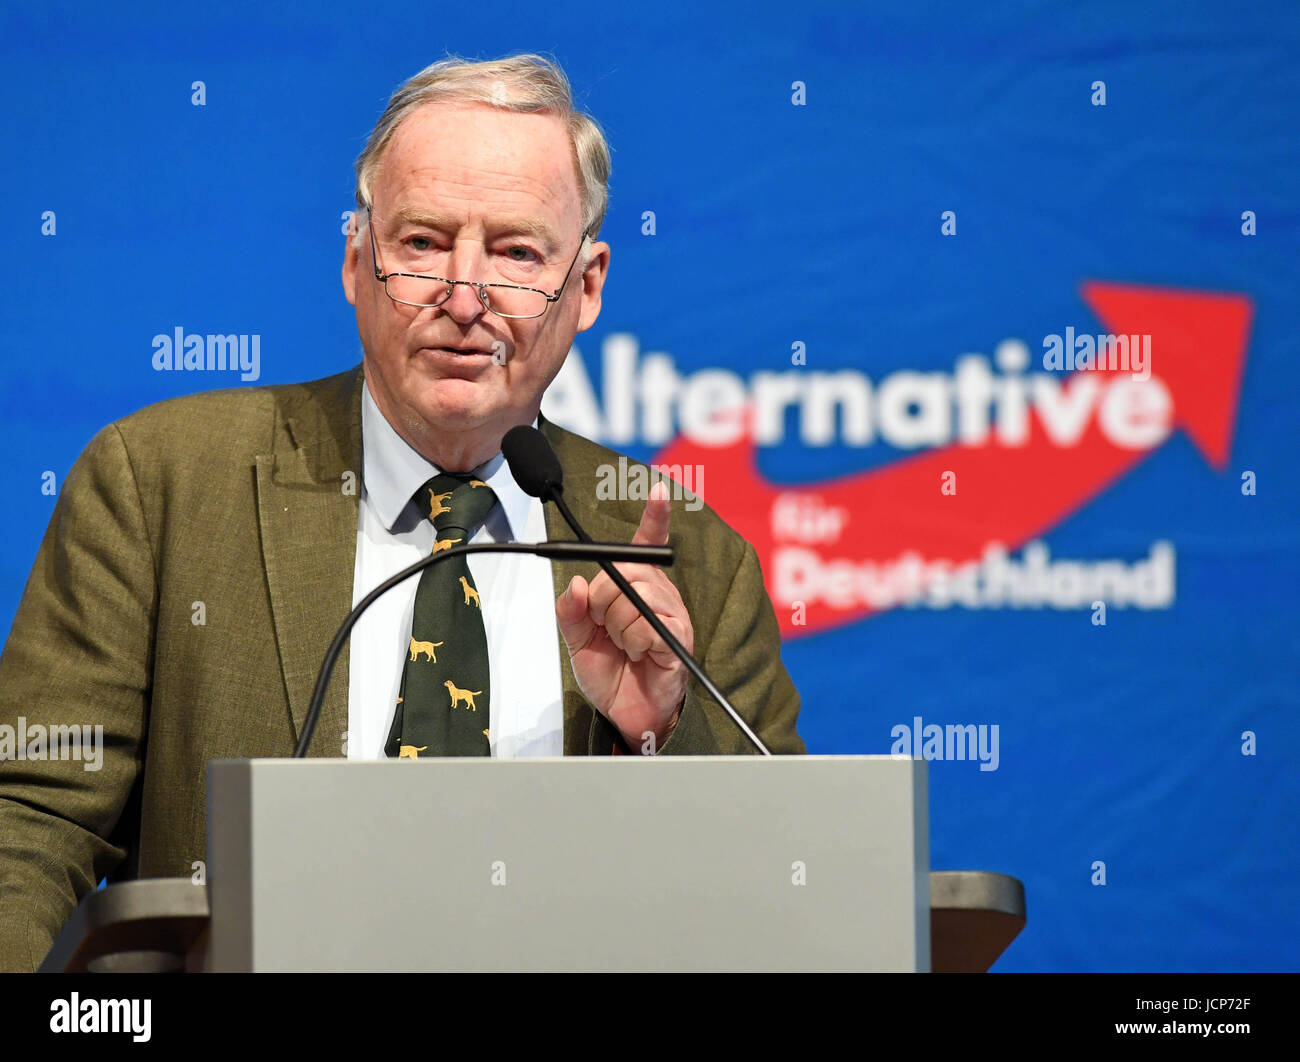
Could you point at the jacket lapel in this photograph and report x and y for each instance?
(307, 500)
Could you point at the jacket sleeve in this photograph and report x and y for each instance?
(77, 662)
(744, 660)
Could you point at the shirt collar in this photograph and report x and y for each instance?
(393, 472)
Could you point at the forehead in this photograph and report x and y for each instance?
(474, 162)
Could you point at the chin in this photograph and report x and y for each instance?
(452, 404)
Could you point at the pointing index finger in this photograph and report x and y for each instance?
(653, 529)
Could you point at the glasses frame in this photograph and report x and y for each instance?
(480, 288)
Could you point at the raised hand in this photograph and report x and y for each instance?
(622, 666)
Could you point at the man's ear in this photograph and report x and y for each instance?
(593, 282)
(351, 260)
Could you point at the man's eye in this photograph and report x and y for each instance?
(420, 243)
(525, 254)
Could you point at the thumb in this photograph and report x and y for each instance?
(575, 622)
(653, 529)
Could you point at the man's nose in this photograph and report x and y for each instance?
(464, 305)
(465, 264)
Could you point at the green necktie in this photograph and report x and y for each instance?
(443, 706)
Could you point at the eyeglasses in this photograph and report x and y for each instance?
(504, 300)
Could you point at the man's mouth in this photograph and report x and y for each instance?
(459, 351)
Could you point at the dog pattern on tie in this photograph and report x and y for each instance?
(445, 676)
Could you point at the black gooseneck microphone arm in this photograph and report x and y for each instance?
(586, 550)
(537, 470)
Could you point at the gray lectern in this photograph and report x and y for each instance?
(618, 864)
(723, 863)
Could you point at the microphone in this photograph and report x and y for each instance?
(604, 552)
(534, 465)
(537, 471)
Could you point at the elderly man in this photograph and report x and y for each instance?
(204, 550)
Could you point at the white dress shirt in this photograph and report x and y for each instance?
(518, 600)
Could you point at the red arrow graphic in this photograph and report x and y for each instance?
(1004, 494)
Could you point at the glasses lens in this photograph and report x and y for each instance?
(418, 291)
(428, 291)
(515, 302)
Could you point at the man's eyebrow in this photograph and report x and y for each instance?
(525, 226)
(519, 226)
(430, 220)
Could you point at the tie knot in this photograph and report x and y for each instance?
(456, 503)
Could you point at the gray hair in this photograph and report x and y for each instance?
(524, 83)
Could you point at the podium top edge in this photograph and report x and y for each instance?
(590, 760)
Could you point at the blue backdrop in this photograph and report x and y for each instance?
(783, 177)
